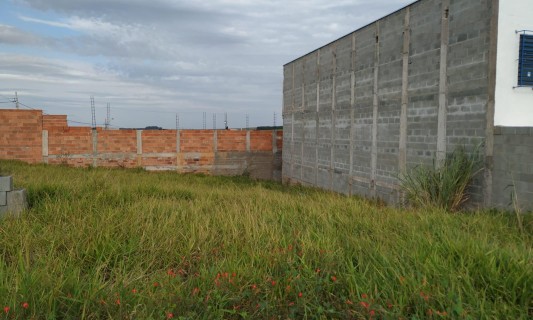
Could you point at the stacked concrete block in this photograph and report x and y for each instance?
(12, 202)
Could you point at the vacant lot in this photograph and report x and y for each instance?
(132, 244)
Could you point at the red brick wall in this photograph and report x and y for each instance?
(231, 140)
(159, 141)
(21, 135)
(156, 143)
(70, 141)
(260, 140)
(54, 121)
(117, 141)
(21, 138)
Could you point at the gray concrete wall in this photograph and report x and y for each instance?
(399, 92)
(513, 168)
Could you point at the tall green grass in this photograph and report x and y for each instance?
(100, 243)
(444, 185)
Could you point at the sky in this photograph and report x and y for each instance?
(151, 60)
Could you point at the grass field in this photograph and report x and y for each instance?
(129, 244)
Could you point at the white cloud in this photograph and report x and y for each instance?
(215, 56)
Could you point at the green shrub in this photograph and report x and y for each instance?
(442, 186)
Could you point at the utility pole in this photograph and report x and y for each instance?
(214, 121)
(93, 112)
(16, 100)
(247, 122)
(275, 116)
(205, 121)
(177, 122)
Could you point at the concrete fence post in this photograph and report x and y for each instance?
(178, 150)
(374, 153)
(248, 147)
(443, 85)
(139, 148)
(95, 147)
(274, 141)
(45, 146)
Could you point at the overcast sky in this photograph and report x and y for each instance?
(151, 59)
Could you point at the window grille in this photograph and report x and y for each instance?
(525, 61)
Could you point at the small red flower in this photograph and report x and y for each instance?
(364, 304)
(6, 309)
(364, 296)
(300, 294)
(254, 287)
(117, 302)
(171, 273)
(170, 315)
(288, 288)
(273, 282)
(134, 291)
(333, 278)
(349, 302)
(195, 291)
(25, 305)
(372, 313)
(156, 284)
(233, 274)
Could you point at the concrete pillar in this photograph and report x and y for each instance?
(139, 148)
(402, 150)
(292, 126)
(274, 141)
(248, 148)
(215, 141)
(352, 115)
(333, 117)
(443, 84)
(303, 110)
(45, 146)
(178, 149)
(95, 147)
(317, 120)
(489, 130)
(374, 152)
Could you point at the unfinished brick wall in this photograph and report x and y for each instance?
(69, 145)
(33, 137)
(21, 135)
(54, 121)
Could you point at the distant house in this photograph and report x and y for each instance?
(409, 88)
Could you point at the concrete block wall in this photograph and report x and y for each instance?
(34, 137)
(12, 202)
(400, 92)
(513, 168)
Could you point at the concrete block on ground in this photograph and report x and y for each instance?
(3, 198)
(6, 183)
(17, 202)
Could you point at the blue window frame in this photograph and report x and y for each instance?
(525, 61)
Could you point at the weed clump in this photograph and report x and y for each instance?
(443, 185)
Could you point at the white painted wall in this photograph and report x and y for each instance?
(514, 107)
